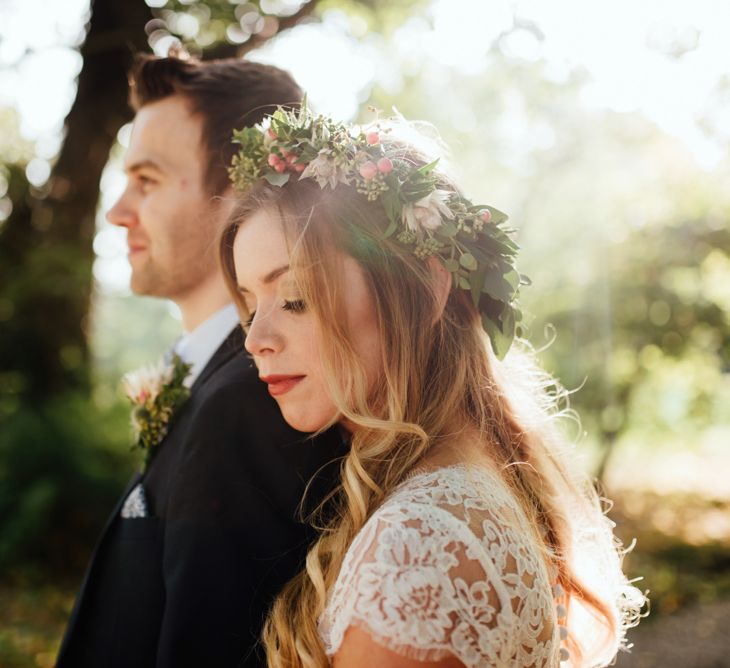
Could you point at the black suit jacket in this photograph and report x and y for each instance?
(190, 585)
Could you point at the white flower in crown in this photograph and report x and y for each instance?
(144, 384)
(324, 171)
(428, 212)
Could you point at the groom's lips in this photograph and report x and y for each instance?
(280, 384)
(134, 249)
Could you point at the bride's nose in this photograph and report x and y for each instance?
(264, 337)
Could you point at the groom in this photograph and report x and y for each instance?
(202, 541)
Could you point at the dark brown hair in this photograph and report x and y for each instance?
(226, 94)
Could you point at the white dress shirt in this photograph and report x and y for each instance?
(198, 346)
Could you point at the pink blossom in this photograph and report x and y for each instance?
(372, 137)
(299, 167)
(368, 170)
(486, 215)
(274, 160)
(291, 158)
(385, 166)
(280, 166)
(271, 133)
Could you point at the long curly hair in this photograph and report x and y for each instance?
(438, 371)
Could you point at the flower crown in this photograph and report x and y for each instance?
(469, 240)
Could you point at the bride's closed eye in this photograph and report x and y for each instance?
(295, 305)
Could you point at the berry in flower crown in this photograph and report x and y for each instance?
(469, 240)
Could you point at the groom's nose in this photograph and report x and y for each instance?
(122, 214)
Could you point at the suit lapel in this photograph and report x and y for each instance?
(231, 346)
(93, 562)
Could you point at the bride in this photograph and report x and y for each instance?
(376, 296)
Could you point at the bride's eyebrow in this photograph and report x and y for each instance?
(269, 278)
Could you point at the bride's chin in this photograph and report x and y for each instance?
(300, 422)
(303, 420)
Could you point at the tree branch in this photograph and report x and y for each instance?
(285, 23)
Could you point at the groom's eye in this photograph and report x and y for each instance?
(249, 321)
(145, 182)
(295, 305)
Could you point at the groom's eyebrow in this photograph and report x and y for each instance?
(142, 164)
(270, 277)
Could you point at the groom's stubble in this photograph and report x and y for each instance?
(170, 214)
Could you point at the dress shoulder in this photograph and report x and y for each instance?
(447, 566)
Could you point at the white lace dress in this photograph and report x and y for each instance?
(448, 566)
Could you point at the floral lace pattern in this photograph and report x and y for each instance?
(448, 566)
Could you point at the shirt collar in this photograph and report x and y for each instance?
(198, 346)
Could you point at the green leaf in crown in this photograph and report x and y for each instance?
(469, 240)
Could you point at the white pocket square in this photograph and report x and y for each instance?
(135, 505)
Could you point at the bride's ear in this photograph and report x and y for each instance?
(441, 286)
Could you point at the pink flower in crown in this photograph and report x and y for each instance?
(372, 137)
(385, 166)
(368, 170)
(428, 212)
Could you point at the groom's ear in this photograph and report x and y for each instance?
(441, 283)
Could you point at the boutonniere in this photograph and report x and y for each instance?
(157, 392)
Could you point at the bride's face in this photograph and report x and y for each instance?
(284, 336)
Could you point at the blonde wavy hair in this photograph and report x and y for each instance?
(438, 371)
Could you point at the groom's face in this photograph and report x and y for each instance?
(166, 207)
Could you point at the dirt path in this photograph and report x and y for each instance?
(693, 638)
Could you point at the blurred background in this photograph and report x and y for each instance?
(602, 128)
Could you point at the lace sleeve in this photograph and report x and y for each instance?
(421, 582)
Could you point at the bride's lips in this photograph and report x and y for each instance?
(280, 384)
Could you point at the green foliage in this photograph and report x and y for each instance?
(246, 164)
(42, 346)
(375, 16)
(223, 27)
(623, 235)
(662, 308)
(227, 27)
(34, 618)
(62, 465)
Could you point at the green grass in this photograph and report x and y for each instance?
(33, 620)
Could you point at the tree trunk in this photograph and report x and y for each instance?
(46, 246)
(46, 252)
